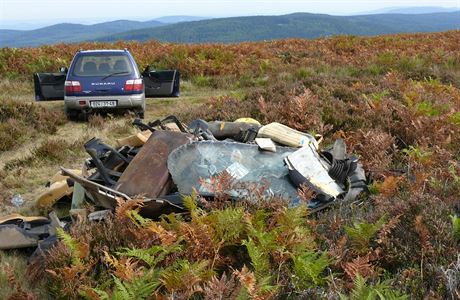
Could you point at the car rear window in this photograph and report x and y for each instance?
(102, 65)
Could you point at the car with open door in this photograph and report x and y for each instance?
(104, 80)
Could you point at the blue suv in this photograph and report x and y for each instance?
(100, 80)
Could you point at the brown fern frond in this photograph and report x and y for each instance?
(224, 288)
(199, 241)
(123, 207)
(247, 279)
(360, 265)
(424, 235)
(166, 237)
(385, 231)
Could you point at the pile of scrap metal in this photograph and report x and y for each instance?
(168, 159)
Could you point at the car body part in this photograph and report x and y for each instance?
(239, 131)
(306, 166)
(18, 231)
(161, 83)
(101, 195)
(108, 161)
(286, 136)
(200, 129)
(147, 174)
(192, 166)
(15, 237)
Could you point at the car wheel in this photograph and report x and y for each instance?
(71, 114)
(140, 114)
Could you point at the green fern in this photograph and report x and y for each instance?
(191, 205)
(309, 267)
(227, 225)
(151, 256)
(137, 218)
(183, 275)
(72, 244)
(260, 258)
(141, 287)
(456, 227)
(379, 291)
(260, 243)
(362, 233)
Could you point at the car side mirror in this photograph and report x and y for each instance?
(63, 70)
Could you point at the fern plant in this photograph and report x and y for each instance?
(151, 256)
(227, 226)
(308, 268)
(378, 291)
(141, 287)
(361, 234)
(185, 275)
(72, 244)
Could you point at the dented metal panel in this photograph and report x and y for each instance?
(148, 174)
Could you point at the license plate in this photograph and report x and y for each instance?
(99, 104)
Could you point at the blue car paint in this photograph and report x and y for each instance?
(97, 85)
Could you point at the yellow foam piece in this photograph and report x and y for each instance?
(248, 120)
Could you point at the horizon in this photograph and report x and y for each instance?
(213, 10)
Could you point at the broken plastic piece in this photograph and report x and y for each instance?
(17, 200)
(307, 167)
(287, 136)
(14, 237)
(135, 140)
(53, 194)
(266, 144)
(99, 215)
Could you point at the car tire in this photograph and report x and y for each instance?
(140, 114)
(71, 114)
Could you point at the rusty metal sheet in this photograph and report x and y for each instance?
(148, 174)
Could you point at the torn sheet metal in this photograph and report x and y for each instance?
(244, 162)
(286, 136)
(101, 195)
(305, 165)
(148, 174)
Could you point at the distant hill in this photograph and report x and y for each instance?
(68, 32)
(299, 25)
(236, 29)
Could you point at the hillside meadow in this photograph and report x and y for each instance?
(394, 99)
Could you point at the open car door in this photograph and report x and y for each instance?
(161, 83)
(49, 86)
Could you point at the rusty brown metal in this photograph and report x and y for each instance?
(147, 174)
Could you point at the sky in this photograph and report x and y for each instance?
(27, 14)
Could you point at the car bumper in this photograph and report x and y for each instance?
(83, 103)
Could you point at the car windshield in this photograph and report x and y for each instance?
(102, 65)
